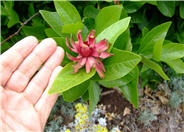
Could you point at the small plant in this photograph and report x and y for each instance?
(120, 70)
(147, 117)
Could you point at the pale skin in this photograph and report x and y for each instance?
(24, 101)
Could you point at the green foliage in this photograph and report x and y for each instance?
(67, 12)
(7, 10)
(53, 19)
(130, 90)
(154, 66)
(94, 95)
(66, 80)
(79, 90)
(182, 10)
(106, 17)
(120, 64)
(167, 8)
(112, 32)
(148, 41)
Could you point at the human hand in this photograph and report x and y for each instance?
(24, 101)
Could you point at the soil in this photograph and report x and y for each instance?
(154, 113)
(165, 118)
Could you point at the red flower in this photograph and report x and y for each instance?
(89, 53)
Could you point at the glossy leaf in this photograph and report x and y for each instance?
(67, 12)
(167, 8)
(130, 91)
(154, 66)
(148, 41)
(51, 33)
(177, 65)
(94, 94)
(90, 11)
(132, 6)
(112, 32)
(8, 11)
(65, 80)
(182, 9)
(75, 92)
(124, 41)
(72, 28)
(157, 49)
(118, 82)
(53, 19)
(172, 51)
(120, 64)
(37, 31)
(85, 96)
(106, 17)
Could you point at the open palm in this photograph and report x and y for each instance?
(24, 101)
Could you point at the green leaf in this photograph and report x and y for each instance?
(72, 28)
(120, 64)
(66, 79)
(8, 11)
(157, 49)
(114, 31)
(154, 66)
(37, 31)
(124, 41)
(172, 51)
(130, 90)
(75, 92)
(90, 11)
(177, 65)
(167, 8)
(145, 31)
(51, 33)
(118, 82)
(144, 68)
(106, 17)
(85, 96)
(53, 19)
(132, 6)
(94, 94)
(182, 9)
(67, 12)
(148, 41)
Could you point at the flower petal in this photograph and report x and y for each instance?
(99, 71)
(74, 59)
(67, 44)
(76, 68)
(95, 53)
(91, 38)
(102, 45)
(79, 65)
(90, 62)
(104, 55)
(72, 43)
(82, 61)
(101, 64)
(79, 38)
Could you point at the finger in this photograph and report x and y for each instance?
(30, 65)
(5, 127)
(46, 102)
(12, 58)
(36, 87)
